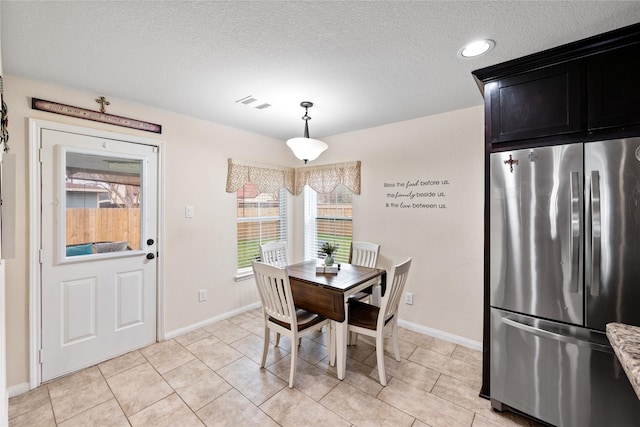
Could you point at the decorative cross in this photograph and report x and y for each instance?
(510, 162)
(102, 101)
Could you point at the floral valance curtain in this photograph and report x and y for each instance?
(325, 178)
(268, 178)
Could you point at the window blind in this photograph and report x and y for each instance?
(262, 218)
(328, 218)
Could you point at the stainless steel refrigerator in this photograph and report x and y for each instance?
(564, 262)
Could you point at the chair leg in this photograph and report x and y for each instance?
(353, 338)
(380, 358)
(277, 339)
(332, 345)
(394, 337)
(265, 346)
(294, 359)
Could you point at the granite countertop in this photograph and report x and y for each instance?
(625, 340)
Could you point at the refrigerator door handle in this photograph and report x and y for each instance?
(575, 231)
(543, 333)
(595, 233)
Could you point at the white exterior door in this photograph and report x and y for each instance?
(99, 229)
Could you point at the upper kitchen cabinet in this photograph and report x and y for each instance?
(539, 103)
(614, 88)
(585, 90)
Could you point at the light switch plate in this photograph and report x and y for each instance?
(408, 298)
(189, 212)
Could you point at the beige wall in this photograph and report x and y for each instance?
(199, 253)
(446, 244)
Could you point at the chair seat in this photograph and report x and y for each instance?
(305, 318)
(364, 315)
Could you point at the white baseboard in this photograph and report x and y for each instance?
(174, 333)
(17, 389)
(475, 345)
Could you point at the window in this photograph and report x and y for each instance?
(262, 218)
(328, 218)
(102, 204)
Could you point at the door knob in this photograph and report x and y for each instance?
(150, 242)
(150, 256)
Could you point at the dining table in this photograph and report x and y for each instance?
(327, 294)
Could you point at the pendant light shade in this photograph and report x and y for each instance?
(306, 148)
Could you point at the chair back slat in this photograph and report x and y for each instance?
(274, 253)
(391, 299)
(275, 292)
(364, 254)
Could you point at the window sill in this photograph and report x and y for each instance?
(239, 277)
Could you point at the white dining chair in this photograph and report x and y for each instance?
(274, 253)
(281, 315)
(374, 321)
(366, 255)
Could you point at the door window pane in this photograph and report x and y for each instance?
(103, 201)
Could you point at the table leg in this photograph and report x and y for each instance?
(376, 295)
(341, 347)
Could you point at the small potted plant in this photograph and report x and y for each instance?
(328, 249)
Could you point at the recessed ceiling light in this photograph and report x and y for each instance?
(476, 48)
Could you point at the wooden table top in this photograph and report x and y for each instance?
(326, 293)
(348, 277)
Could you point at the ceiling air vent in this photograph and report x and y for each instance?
(253, 102)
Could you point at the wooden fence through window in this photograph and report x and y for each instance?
(89, 225)
(270, 228)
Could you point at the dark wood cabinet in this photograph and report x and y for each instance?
(544, 102)
(613, 88)
(583, 91)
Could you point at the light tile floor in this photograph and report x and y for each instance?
(211, 377)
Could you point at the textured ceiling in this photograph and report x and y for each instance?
(362, 63)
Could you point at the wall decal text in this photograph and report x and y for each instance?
(416, 194)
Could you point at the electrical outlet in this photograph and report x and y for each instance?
(202, 295)
(408, 298)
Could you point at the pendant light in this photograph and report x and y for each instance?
(306, 148)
